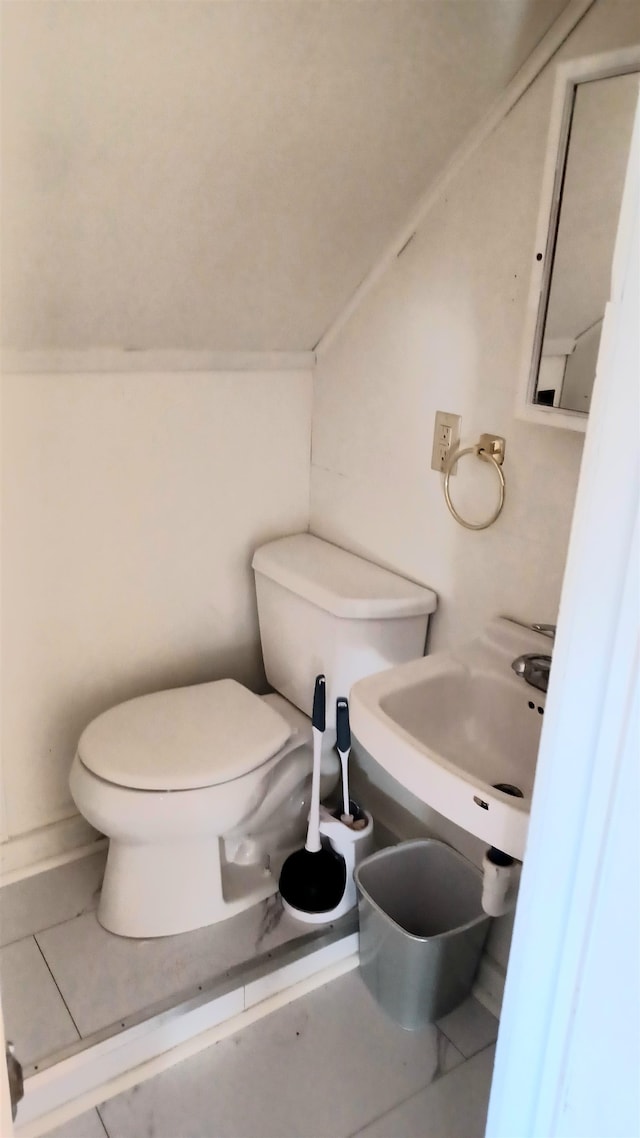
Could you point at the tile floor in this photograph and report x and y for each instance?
(63, 983)
(329, 1065)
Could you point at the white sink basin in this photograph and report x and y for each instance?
(457, 729)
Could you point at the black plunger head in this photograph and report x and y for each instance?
(313, 882)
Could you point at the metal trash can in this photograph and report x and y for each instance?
(422, 929)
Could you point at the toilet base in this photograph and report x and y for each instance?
(162, 890)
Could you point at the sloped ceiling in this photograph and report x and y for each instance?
(221, 175)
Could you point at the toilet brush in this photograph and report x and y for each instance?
(343, 744)
(314, 879)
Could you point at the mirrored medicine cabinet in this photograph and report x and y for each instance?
(592, 118)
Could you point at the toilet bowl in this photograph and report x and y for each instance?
(202, 792)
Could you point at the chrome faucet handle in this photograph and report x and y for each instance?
(534, 669)
(546, 629)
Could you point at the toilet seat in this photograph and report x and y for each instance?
(184, 738)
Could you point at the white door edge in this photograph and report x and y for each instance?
(585, 743)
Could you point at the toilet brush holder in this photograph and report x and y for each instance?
(353, 846)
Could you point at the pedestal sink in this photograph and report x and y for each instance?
(461, 731)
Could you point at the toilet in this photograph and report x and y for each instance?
(204, 790)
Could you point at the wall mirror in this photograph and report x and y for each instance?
(592, 120)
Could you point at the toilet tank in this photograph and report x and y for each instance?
(322, 609)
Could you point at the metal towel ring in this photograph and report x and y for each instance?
(490, 449)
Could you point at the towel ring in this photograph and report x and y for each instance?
(489, 449)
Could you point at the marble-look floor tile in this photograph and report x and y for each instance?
(470, 1027)
(325, 1064)
(46, 899)
(454, 1106)
(105, 978)
(35, 1017)
(84, 1126)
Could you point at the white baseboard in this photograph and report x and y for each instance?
(47, 847)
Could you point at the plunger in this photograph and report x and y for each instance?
(314, 879)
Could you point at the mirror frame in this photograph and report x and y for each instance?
(568, 77)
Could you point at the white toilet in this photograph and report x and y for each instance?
(203, 790)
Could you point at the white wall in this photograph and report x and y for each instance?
(442, 330)
(131, 507)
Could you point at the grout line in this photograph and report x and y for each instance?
(97, 1109)
(440, 1074)
(435, 1078)
(58, 988)
(389, 1110)
(494, 1043)
(54, 925)
(463, 1053)
(438, 1077)
(53, 1117)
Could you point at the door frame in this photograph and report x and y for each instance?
(589, 743)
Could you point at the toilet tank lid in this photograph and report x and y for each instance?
(340, 582)
(184, 738)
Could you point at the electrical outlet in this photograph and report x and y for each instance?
(442, 454)
(446, 436)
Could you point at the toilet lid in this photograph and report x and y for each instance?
(183, 739)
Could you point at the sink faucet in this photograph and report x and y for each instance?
(534, 667)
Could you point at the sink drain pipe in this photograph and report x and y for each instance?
(500, 883)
